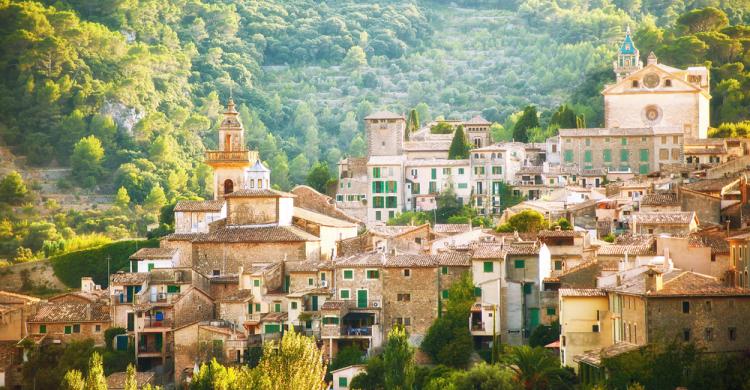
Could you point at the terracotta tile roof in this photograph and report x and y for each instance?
(129, 278)
(333, 305)
(393, 231)
(310, 291)
(116, 380)
(681, 283)
(530, 170)
(71, 312)
(383, 115)
(259, 193)
(322, 219)
(477, 120)
(258, 234)
(451, 228)
(378, 259)
(453, 259)
(153, 253)
(643, 245)
(582, 292)
(214, 206)
(274, 317)
(238, 296)
(523, 248)
(560, 233)
(660, 199)
(89, 296)
(490, 251)
(224, 279)
(307, 266)
(664, 218)
(711, 185)
(717, 242)
(7, 297)
(183, 236)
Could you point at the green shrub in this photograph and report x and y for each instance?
(70, 267)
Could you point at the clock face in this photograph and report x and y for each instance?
(651, 115)
(651, 80)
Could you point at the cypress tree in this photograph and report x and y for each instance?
(528, 120)
(459, 146)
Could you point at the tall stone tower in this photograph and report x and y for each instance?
(232, 158)
(628, 58)
(385, 134)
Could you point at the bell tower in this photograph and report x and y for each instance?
(628, 58)
(232, 158)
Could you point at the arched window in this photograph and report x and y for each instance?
(227, 142)
(228, 186)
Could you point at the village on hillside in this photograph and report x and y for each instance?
(620, 237)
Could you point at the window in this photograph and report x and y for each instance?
(446, 171)
(348, 274)
(460, 171)
(42, 329)
(390, 187)
(444, 270)
(310, 281)
(635, 84)
(415, 189)
(587, 156)
(644, 155)
(433, 187)
(376, 172)
(256, 282)
(414, 173)
(527, 288)
(488, 266)
(667, 83)
(643, 169)
(68, 329)
(216, 272)
(686, 335)
(624, 155)
(444, 294)
(551, 311)
(343, 382)
(293, 305)
(77, 328)
(97, 328)
(172, 289)
(708, 334)
(406, 272)
(477, 291)
(595, 328)
(624, 141)
(378, 187)
(568, 156)
(497, 170)
(257, 307)
(330, 320)
(732, 334)
(588, 141)
(378, 202)
(708, 305)
(403, 297)
(519, 264)
(607, 155)
(558, 265)
(372, 274)
(378, 215)
(277, 307)
(433, 173)
(463, 186)
(344, 294)
(685, 307)
(391, 202)
(479, 170)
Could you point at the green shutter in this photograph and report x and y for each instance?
(520, 263)
(272, 328)
(624, 141)
(445, 294)
(250, 308)
(257, 307)
(373, 188)
(150, 266)
(607, 155)
(348, 274)
(587, 156)
(344, 294)
(527, 288)
(42, 329)
(644, 155)
(477, 291)
(173, 289)
(277, 307)
(488, 266)
(624, 154)
(643, 169)
(568, 156)
(433, 173)
(256, 282)
(68, 329)
(551, 311)
(444, 270)
(294, 305)
(343, 382)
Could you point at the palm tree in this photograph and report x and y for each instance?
(537, 369)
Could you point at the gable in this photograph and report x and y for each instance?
(679, 85)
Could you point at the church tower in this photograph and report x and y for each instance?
(232, 158)
(628, 58)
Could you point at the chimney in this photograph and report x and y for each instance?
(240, 271)
(87, 284)
(653, 279)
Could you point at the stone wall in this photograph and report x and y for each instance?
(422, 288)
(88, 331)
(228, 257)
(706, 207)
(254, 210)
(193, 306)
(185, 350)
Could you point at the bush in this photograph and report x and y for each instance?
(70, 267)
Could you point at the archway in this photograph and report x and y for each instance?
(228, 186)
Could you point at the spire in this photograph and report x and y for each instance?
(652, 58)
(628, 57)
(628, 47)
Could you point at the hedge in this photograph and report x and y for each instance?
(71, 267)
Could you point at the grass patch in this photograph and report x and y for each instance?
(70, 267)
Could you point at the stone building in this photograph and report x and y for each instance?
(584, 322)
(194, 216)
(15, 309)
(71, 321)
(674, 222)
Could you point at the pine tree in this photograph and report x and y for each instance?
(459, 148)
(412, 123)
(12, 189)
(73, 380)
(86, 160)
(295, 362)
(155, 199)
(398, 359)
(122, 199)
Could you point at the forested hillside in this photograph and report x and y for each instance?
(129, 92)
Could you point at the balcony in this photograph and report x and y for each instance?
(373, 304)
(479, 327)
(218, 156)
(153, 323)
(356, 331)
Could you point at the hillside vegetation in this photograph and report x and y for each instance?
(129, 93)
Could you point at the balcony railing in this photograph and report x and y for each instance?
(154, 323)
(477, 327)
(356, 331)
(153, 348)
(234, 155)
